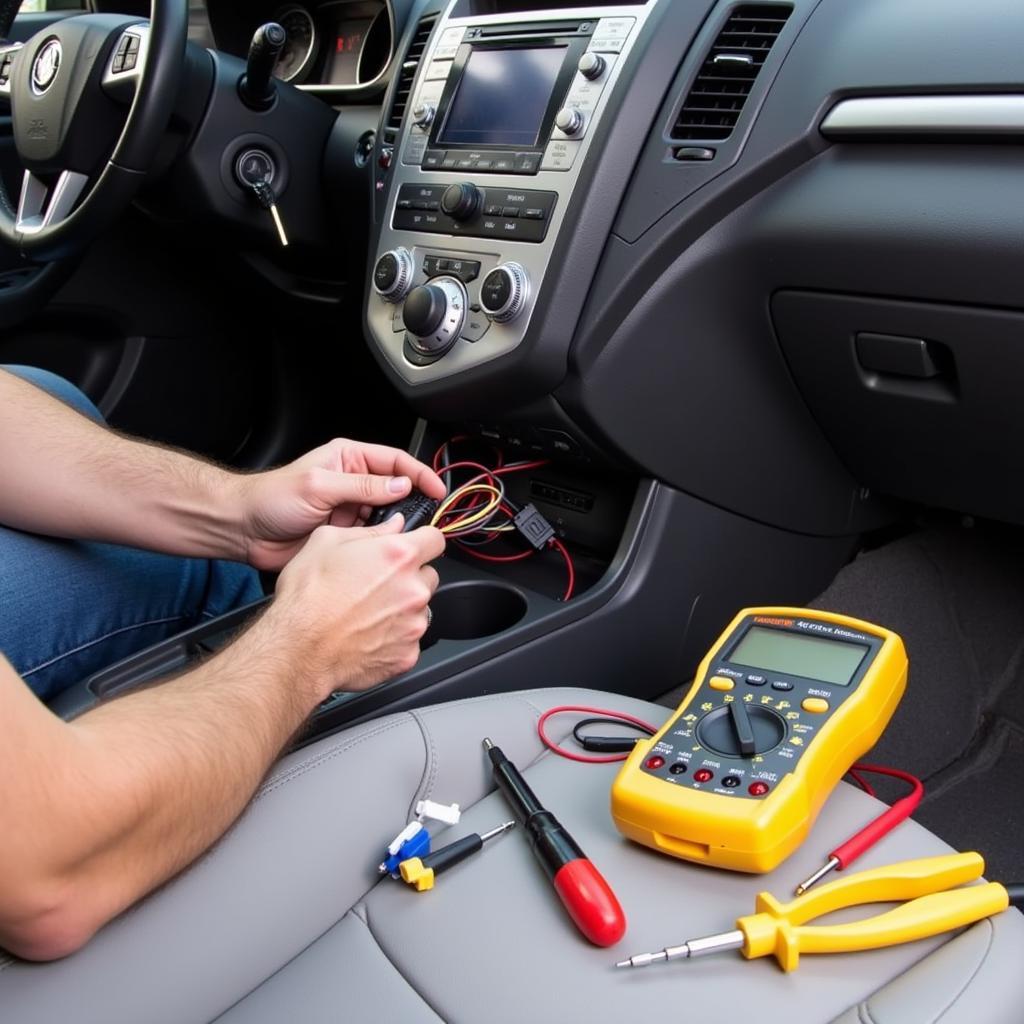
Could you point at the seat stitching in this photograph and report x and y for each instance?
(426, 1002)
(981, 963)
(297, 771)
(430, 769)
(100, 639)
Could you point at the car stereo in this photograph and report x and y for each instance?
(496, 127)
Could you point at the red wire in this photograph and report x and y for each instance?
(496, 558)
(583, 709)
(559, 546)
(861, 781)
(846, 853)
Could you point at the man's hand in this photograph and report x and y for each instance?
(336, 485)
(351, 606)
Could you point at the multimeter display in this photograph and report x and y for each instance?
(831, 661)
(781, 706)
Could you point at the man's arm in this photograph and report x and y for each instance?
(70, 477)
(97, 812)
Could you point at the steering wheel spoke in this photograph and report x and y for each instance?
(42, 206)
(127, 60)
(7, 52)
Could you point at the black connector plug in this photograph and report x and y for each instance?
(609, 744)
(534, 527)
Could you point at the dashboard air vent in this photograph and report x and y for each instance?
(727, 75)
(406, 75)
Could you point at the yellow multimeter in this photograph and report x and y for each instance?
(782, 705)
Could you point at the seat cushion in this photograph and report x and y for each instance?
(287, 918)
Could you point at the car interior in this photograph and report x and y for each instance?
(726, 293)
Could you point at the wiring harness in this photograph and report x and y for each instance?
(478, 512)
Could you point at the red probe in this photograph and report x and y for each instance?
(846, 853)
(582, 889)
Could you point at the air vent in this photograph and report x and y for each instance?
(716, 99)
(407, 75)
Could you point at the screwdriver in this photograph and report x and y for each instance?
(585, 894)
(420, 872)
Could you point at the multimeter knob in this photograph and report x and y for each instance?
(738, 731)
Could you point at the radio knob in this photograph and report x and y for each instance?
(423, 115)
(504, 292)
(461, 201)
(591, 65)
(393, 274)
(569, 120)
(434, 314)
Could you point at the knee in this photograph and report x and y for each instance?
(57, 386)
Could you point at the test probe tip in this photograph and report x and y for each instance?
(830, 865)
(643, 959)
(496, 831)
(488, 745)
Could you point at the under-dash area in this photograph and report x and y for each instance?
(955, 593)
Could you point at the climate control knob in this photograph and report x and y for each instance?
(569, 120)
(434, 314)
(504, 292)
(393, 274)
(461, 201)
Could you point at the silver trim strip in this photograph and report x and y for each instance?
(927, 115)
(39, 207)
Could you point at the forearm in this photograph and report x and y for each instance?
(141, 786)
(66, 476)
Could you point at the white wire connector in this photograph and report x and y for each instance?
(448, 813)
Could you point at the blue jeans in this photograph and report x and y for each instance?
(70, 608)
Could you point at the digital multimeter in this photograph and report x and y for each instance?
(782, 705)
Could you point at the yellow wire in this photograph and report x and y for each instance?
(477, 514)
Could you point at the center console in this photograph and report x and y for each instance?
(497, 126)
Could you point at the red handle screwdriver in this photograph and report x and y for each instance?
(580, 886)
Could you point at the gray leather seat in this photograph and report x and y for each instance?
(287, 919)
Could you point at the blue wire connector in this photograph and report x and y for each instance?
(416, 844)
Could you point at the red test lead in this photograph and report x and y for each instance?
(844, 855)
(584, 892)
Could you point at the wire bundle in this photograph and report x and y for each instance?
(478, 512)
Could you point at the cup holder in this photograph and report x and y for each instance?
(471, 610)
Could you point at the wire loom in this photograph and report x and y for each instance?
(478, 512)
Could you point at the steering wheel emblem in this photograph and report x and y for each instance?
(46, 66)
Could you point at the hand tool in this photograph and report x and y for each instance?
(586, 895)
(780, 708)
(932, 907)
(420, 872)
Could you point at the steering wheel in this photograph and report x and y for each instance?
(83, 161)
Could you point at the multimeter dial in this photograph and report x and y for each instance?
(736, 731)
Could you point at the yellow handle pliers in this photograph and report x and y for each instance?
(931, 905)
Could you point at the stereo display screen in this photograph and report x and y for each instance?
(502, 97)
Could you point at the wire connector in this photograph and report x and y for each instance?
(449, 814)
(416, 844)
(534, 527)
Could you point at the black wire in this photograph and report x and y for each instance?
(608, 744)
(1016, 893)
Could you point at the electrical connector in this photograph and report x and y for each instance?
(449, 814)
(534, 527)
(416, 845)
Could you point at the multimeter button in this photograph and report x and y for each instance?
(815, 705)
(678, 768)
(781, 684)
(756, 680)
(654, 762)
(703, 775)
(731, 781)
(757, 788)
(721, 683)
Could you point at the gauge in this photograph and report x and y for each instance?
(300, 45)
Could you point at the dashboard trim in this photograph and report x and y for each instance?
(1000, 114)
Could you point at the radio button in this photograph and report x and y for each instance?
(433, 159)
(534, 213)
(461, 201)
(505, 163)
(510, 211)
(449, 162)
(527, 163)
(492, 210)
(485, 163)
(437, 71)
(560, 155)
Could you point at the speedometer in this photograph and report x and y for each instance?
(300, 44)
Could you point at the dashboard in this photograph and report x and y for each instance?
(335, 44)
